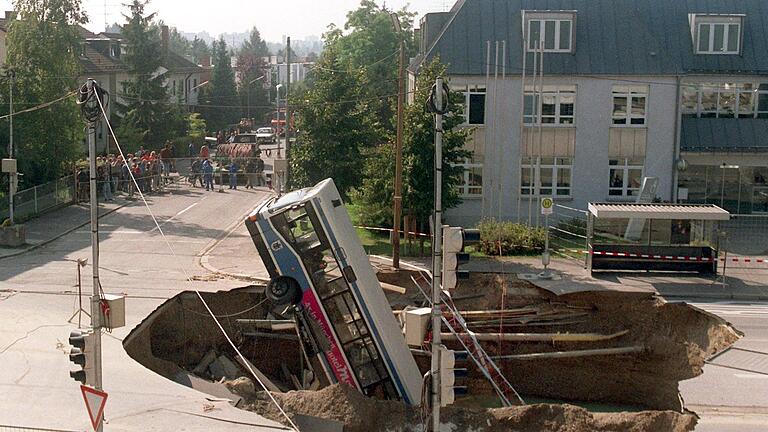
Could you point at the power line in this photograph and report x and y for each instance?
(41, 106)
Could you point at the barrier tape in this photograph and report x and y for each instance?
(417, 234)
(667, 257)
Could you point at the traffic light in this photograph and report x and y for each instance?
(82, 355)
(454, 241)
(449, 374)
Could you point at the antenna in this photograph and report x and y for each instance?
(105, 17)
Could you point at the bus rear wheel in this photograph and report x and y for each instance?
(282, 291)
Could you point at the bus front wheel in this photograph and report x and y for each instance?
(283, 291)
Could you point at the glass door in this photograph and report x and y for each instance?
(760, 199)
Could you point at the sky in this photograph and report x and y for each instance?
(295, 18)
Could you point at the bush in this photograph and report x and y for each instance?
(573, 226)
(515, 238)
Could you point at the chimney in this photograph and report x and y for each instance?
(165, 39)
(205, 61)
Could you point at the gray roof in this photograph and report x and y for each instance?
(724, 135)
(622, 37)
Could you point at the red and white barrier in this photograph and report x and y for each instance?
(668, 257)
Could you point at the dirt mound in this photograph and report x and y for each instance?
(362, 414)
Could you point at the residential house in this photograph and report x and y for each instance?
(101, 59)
(626, 90)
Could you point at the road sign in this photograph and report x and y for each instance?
(547, 206)
(94, 403)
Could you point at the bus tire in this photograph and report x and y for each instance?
(282, 291)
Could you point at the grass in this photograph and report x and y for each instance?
(378, 242)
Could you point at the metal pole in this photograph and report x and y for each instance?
(12, 176)
(96, 298)
(287, 176)
(437, 259)
(398, 198)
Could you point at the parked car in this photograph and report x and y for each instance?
(249, 138)
(266, 135)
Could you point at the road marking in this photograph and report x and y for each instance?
(750, 376)
(173, 217)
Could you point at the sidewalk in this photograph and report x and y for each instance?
(236, 256)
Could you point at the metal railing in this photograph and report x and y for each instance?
(568, 232)
(31, 202)
(746, 236)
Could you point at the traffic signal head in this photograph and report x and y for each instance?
(82, 355)
(454, 240)
(449, 373)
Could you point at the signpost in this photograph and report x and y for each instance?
(94, 403)
(547, 208)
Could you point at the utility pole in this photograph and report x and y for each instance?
(439, 108)
(397, 199)
(12, 176)
(288, 116)
(91, 101)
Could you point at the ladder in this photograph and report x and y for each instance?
(458, 327)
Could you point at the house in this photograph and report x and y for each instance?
(101, 59)
(622, 90)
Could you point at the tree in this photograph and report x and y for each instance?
(220, 105)
(43, 50)
(418, 158)
(251, 68)
(199, 49)
(147, 114)
(333, 126)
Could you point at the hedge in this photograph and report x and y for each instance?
(515, 238)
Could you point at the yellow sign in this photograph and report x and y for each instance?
(547, 206)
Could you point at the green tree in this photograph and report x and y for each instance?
(199, 49)
(147, 114)
(252, 74)
(43, 50)
(333, 126)
(418, 158)
(196, 126)
(220, 104)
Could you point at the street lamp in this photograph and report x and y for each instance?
(248, 86)
(397, 199)
(12, 175)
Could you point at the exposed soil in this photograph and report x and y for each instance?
(677, 338)
(361, 414)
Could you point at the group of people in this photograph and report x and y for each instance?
(202, 171)
(151, 170)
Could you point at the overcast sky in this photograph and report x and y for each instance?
(295, 18)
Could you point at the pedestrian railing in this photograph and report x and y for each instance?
(31, 202)
(568, 233)
(745, 236)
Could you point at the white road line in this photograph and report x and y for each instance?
(174, 216)
(750, 376)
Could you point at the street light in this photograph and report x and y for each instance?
(397, 199)
(249, 95)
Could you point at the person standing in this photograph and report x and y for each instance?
(208, 174)
(260, 180)
(249, 170)
(233, 174)
(104, 174)
(165, 159)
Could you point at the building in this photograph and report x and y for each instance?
(101, 59)
(300, 68)
(657, 88)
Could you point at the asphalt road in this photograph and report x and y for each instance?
(732, 393)
(38, 296)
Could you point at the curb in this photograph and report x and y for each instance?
(58, 236)
(203, 257)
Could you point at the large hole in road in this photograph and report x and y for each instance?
(669, 343)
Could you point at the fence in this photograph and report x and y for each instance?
(745, 236)
(36, 200)
(568, 232)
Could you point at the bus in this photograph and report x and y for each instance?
(318, 267)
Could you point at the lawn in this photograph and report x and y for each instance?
(378, 243)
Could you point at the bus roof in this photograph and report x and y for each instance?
(292, 198)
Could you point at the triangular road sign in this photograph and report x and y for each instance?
(94, 403)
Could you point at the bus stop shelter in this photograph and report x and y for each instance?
(654, 237)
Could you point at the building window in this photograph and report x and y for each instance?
(194, 84)
(554, 35)
(725, 100)
(625, 177)
(173, 91)
(629, 105)
(546, 176)
(474, 103)
(114, 50)
(472, 179)
(554, 105)
(719, 38)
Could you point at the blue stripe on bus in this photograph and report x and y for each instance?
(392, 368)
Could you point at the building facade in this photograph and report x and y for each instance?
(581, 101)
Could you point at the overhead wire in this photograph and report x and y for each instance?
(41, 106)
(189, 278)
